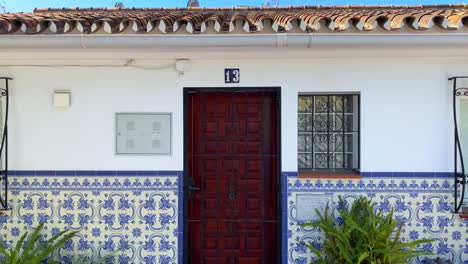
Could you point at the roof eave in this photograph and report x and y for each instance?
(174, 42)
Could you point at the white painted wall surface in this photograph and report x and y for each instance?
(406, 118)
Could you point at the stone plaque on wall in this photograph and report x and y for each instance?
(143, 133)
(306, 203)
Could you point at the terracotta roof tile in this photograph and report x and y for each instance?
(236, 20)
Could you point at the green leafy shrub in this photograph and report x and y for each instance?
(34, 251)
(363, 237)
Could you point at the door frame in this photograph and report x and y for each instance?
(187, 92)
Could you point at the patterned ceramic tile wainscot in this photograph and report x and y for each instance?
(423, 201)
(132, 214)
(139, 214)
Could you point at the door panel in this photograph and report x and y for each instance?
(233, 177)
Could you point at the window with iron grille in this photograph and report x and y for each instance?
(328, 127)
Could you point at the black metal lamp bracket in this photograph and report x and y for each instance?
(460, 177)
(4, 93)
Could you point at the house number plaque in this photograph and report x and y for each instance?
(306, 203)
(231, 75)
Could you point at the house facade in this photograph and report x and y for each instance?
(210, 135)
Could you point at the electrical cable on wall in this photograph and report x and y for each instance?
(130, 63)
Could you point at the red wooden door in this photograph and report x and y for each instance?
(232, 183)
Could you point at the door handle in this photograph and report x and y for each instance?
(191, 188)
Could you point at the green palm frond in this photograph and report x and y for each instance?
(33, 250)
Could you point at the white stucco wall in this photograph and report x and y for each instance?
(406, 120)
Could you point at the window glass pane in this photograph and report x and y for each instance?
(305, 161)
(348, 143)
(336, 122)
(337, 160)
(348, 103)
(321, 104)
(305, 143)
(305, 122)
(321, 122)
(349, 161)
(320, 142)
(349, 122)
(336, 104)
(321, 161)
(336, 142)
(305, 104)
(339, 163)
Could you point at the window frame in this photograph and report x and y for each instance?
(332, 171)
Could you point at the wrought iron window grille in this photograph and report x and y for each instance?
(4, 93)
(460, 177)
(328, 132)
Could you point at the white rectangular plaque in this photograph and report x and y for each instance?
(143, 133)
(306, 203)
